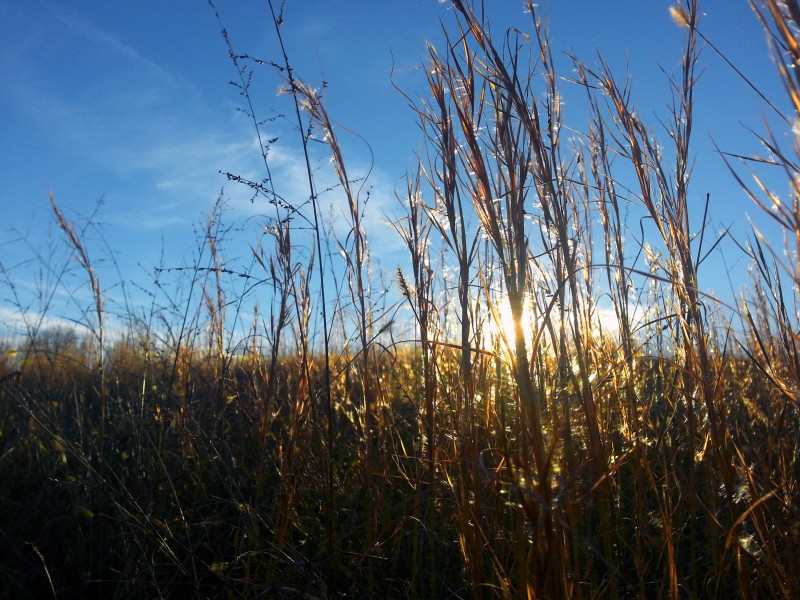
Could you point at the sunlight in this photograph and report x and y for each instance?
(498, 324)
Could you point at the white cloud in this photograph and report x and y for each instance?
(16, 327)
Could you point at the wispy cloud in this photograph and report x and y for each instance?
(115, 50)
(126, 117)
(155, 145)
(17, 326)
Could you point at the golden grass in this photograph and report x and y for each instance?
(658, 460)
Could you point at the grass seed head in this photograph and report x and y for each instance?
(680, 15)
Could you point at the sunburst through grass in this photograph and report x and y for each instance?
(598, 428)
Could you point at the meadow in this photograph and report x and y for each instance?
(542, 403)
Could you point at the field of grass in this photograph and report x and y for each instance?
(505, 442)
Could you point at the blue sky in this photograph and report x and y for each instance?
(129, 101)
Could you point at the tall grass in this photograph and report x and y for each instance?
(455, 454)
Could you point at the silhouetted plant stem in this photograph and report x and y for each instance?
(277, 20)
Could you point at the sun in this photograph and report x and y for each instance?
(498, 328)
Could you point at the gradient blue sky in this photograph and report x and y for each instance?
(129, 101)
